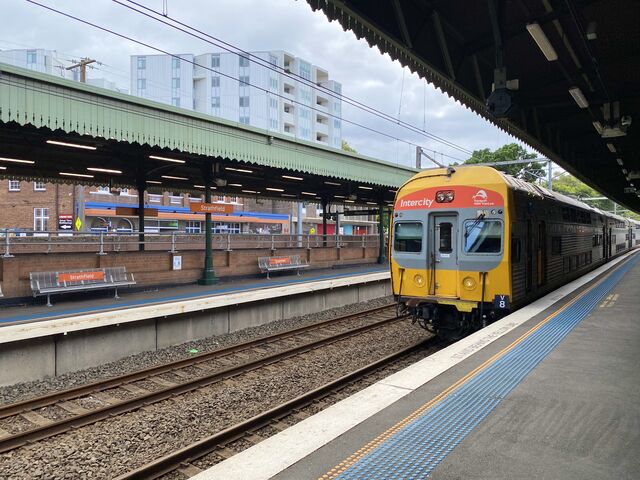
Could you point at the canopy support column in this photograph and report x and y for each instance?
(208, 274)
(324, 221)
(382, 254)
(141, 187)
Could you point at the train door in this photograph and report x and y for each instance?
(444, 255)
(604, 241)
(529, 257)
(542, 253)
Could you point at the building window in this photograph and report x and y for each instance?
(273, 83)
(142, 83)
(40, 219)
(273, 60)
(175, 82)
(32, 56)
(175, 101)
(244, 62)
(14, 186)
(305, 70)
(142, 63)
(274, 123)
(215, 81)
(244, 101)
(215, 102)
(336, 123)
(215, 61)
(244, 119)
(273, 102)
(39, 187)
(244, 80)
(194, 226)
(175, 63)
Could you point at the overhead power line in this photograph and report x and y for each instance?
(162, 18)
(131, 39)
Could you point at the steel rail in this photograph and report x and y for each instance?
(174, 460)
(12, 409)
(19, 439)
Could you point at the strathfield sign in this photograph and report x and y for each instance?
(211, 208)
(96, 275)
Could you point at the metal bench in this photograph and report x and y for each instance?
(47, 283)
(1, 294)
(276, 264)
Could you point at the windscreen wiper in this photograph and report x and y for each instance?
(468, 230)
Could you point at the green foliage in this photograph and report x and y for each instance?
(348, 148)
(573, 187)
(529, 172)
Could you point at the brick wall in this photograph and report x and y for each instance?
(154, 268)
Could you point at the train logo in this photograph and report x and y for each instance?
(480, 197)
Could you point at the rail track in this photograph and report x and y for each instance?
(183, 459)
(185, 375)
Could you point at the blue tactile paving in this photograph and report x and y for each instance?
(414, 451)
(187, 296)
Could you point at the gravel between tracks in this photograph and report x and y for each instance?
(22, 391)
(119, 444)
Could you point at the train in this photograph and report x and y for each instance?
(470, 244)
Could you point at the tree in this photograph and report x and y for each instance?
(348, 148)
(529, 172)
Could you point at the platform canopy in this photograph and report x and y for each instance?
(566, 72)
(57, 130)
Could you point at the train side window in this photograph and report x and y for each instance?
(407, 237)
(516, 250)
(556, 245)
(445, 238)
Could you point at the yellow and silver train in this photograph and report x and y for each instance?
(470, 244)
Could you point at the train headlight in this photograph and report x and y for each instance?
(444, 196)
(418, 280)
(440, 197)
(469, 283)
(449, 196)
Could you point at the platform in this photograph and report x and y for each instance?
(551, 391)
(38, 341)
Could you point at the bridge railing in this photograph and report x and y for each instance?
(14, 243)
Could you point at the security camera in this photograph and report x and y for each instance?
(625, 120)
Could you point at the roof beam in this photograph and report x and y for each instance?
(442, 42)
(397, 9)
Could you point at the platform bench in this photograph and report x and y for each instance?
(47, 283)
(276, 264)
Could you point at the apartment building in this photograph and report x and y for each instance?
(272, 90)
(39, 60)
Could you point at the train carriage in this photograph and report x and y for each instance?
(470, 244)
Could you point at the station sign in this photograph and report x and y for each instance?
(65, 222)
(96, 275)
(211, 208)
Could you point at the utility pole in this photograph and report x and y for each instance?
(420, 153)
(83, 68)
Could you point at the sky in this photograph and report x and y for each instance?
(257, 25)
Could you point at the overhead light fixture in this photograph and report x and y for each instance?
(16, 160)
(235, 184)
(624, 171)
(340, 196)
(103, 170)
(361, 187)
(350, 201)
(620, 162)
(69, 174)
(288, 195)
(309, 193)
(198, 186)
(579, 97)
(598, 126)
(249, 191)
(538, 35)
(292, 178)
(242, 170)
(372, 203)
(72, 145)
(333, 183)
(170, 177)
(271, 189)
(3, 168)
(165, 159)
(154, 181)
(611, 147)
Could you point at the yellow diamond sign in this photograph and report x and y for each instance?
(78, 223)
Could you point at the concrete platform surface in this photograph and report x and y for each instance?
(101, 301)
(571, 411)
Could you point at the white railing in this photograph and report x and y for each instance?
(102, 243)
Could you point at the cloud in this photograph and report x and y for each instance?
(366, 75)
